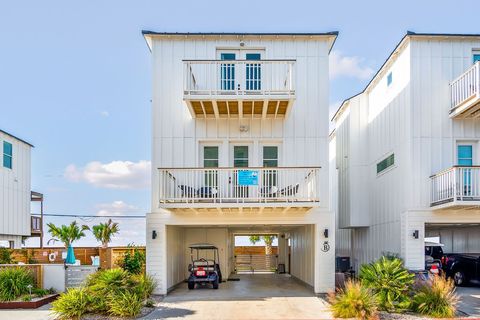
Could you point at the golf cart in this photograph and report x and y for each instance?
(203, 268)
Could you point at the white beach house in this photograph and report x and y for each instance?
(16, 221)
(407, 153)
(240, 147)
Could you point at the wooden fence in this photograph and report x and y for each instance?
(109, 257)
(240, 250)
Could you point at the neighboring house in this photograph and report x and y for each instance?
(407, 151)
(15, 194)
(240, 147)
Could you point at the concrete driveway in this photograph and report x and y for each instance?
(469, 300)
(263, 296)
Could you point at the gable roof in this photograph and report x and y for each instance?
(398, 48)
(17, 138)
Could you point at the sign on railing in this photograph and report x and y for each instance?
(285, 184)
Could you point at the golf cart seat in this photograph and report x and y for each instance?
(208, 265)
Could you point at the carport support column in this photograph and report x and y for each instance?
(156, 254)
(325, 254)
(413, 251)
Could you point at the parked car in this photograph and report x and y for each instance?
(463, 268)
(433, 255)
(204, 269)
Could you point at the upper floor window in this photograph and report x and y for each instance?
(210, 157)
(389, 79)
(476, 56)
(386, 163)
(465, 155)
(7, 154)
(270, 156)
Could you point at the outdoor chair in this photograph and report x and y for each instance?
(290, 190)
(187, 191)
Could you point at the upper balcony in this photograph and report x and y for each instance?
(456, 187)
(239, 88)
(465, 91)
(281, 188)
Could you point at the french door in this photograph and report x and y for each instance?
(240, 157)
(465, 159)
(240, 76)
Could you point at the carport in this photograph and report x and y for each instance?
(295, 252)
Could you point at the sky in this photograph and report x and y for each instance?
(75, 81)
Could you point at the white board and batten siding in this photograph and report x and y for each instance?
(15, 187)
(410, 118)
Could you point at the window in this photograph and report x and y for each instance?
(7, 154)
(465, 155)
(386, 163)
(476, 57)
(270, 156)
(389, 79)
(253, 72)
(210, 157)
(240, 156)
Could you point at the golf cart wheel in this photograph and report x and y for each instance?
(191, 285)
(459, 278)
(215, 283)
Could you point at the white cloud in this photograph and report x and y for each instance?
(346, 66)
(113, 175)
(116, 208)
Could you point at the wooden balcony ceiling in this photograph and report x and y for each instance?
(239, 109)
(469, 109)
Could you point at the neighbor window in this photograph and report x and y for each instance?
(389, 79)
(386, 163)
(7, 154)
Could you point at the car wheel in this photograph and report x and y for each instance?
(191, 285)
(459, 278)
(215, 283)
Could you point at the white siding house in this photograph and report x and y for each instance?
(227, 108)
(407, 148)
(15, 220)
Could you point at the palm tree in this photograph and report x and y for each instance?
(103, 232)
(67, 234)
(268, 242)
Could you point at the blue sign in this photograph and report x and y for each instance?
(247, 177)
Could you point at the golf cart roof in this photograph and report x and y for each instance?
(202, 246)
(433, 244)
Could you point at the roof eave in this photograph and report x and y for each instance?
(17, 138)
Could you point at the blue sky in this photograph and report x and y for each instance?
(75, 80)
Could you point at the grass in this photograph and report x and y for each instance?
(355, 301)
(436, 298)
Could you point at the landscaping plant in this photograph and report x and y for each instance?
(72, 304)
(15, 282)
(133, 260)
(355, 301)
(436, 298)
(6, 256)
(103, 232)
(125, 304)
(390, 281)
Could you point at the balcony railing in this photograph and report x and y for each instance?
(465, 92)
(239, 77)
(293, 185)
(459, 185)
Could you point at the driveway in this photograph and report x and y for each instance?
(469, 300)
(263, 296)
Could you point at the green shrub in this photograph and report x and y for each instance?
(14, 282)
(390, 281)
(145, 285)
(125, 304)
(133, 262)
(40, 292)
(72, 304)
(436, 298)
(6, 256)
(27, 298)
(105, 283)
(355, 301)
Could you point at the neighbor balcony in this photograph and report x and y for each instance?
(239, 88)
(36, 225)
(465, 92)
(456, 187)
(238, 188)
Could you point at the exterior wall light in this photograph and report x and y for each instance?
(325, 233)
(415, 234)
(154, 234)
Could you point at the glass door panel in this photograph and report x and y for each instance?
(253, 72)
(270, 160)
(240, 160)
(227, 72)
(465, 159)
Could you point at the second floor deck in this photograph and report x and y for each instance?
(465, 93)
(280, 187)
(239, 88)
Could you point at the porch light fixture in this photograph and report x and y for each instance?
(154, 234)
(325, 233)
(415, 234)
